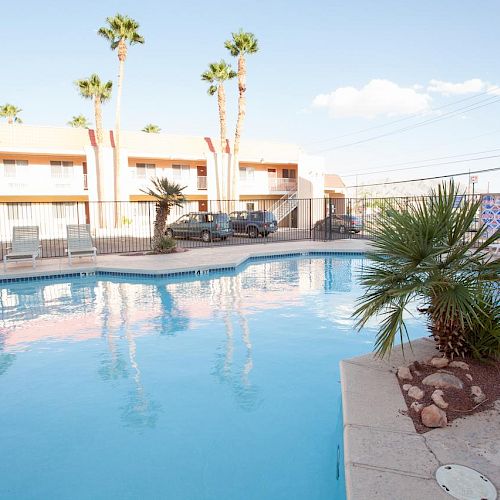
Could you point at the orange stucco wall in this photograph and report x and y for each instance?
(38, 159)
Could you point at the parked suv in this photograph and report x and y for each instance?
(204, 225)
(340, 223)
(253, 223)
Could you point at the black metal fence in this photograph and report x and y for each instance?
(127, 227)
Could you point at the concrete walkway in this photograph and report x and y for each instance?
(197, 259)
(385, 458)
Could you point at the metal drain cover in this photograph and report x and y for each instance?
(465, 483)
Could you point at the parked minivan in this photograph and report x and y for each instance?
(204, 225)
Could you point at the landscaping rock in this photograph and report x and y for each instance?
(439, 362)
(443, 381)
(416, 407)
(477, 393)
(406, 387)
(404, 373)
(459, 364)
(437, 397)
(415, 392)
(432, 416)
(469, 376)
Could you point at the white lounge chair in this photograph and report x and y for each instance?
(80, 242)
(25, 245)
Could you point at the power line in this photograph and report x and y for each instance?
(413, 115)
(427, 178)
(493, 100)
(368, 172)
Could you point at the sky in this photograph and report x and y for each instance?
(325, 70)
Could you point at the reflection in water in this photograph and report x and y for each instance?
(235, 373)
(120, 312)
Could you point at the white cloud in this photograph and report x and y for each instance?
(378, 97)
(471, 86)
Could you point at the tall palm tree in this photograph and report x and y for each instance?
(151, 128)
(168, 195)
(99, 92)
(79, 121)
(424, 254)
(216, 75)
(241, 44)
(119, 31)
(10, 112)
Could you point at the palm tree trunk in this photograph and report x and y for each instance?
(10, 120)
(122, 55)
(159, 225)
(242, 109)
(221, 100)
(98, 159)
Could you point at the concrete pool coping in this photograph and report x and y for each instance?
(383, 454)
(199, 259)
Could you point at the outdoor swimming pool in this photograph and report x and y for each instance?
(221, 388)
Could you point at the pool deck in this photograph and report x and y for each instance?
(384, 456)
(194, 259)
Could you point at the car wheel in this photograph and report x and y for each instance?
(169, 233)
(342, 229)
(205, 236)
(252, 232)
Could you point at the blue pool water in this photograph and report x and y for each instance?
(221, 388)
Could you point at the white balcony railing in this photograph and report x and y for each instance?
(282, 184)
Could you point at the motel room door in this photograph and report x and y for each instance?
(272, 178)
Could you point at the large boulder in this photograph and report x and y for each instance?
(432, 416)
(443, 381)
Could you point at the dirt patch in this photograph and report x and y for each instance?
(461, 404)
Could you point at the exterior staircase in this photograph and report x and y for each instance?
(285, 205)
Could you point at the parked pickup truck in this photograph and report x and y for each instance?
(253, 223)
(204, 225)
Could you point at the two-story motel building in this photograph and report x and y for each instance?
(48, 164)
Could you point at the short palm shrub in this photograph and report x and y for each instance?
(167, 195)
(424, 253)
(165, 244)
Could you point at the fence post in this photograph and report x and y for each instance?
(310, 218)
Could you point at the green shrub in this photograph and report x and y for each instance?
(164, 244)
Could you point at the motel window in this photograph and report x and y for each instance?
(18, 211)
(59, 169)
(180, 172)
(145, 170)
(247, 174)
(10, 167)
(251, 207)
(288, 173)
